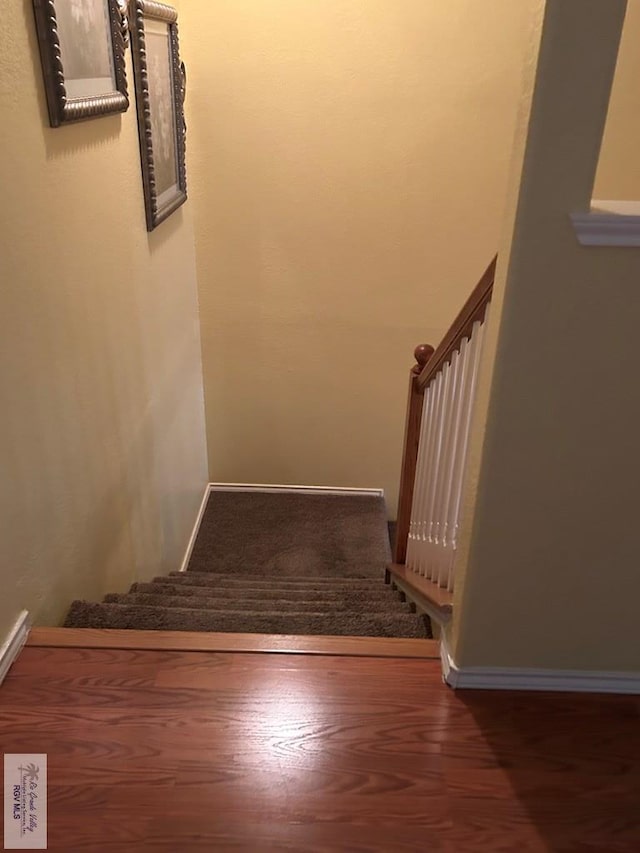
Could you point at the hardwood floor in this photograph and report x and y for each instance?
(177, 751)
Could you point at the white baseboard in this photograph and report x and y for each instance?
(196, 528)
(270, 488)
(512, 678)
(13, 644)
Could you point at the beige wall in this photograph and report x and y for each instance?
(103, 459)
(618, 174)
(549, 567)
(348, 166)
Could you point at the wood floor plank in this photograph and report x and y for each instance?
(303, 833)
(179, 750)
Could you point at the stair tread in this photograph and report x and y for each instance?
(390, 603)
(241, 611)
(289, 594)
(87, 614)
(230, 581)
(265, 575)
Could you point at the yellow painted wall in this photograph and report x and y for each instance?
(348, 169)
(549, 567)
(618, 174)
(102, 450)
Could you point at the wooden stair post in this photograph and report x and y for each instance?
(422, 354)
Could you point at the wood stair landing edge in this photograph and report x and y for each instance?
(114, 638)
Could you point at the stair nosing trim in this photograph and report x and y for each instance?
(234, 643)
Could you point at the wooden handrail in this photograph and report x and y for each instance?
(429, 362)
(472, 311)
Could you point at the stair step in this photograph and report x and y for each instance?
(375, 595)
(83, 614)
(258, 582)
(196, 602)
(259, 576)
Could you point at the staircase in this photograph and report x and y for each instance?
(273, 563)
(312, 561)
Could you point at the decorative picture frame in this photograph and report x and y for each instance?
(160, 82)
(82, 49)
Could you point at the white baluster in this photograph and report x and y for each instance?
(461, 399)
(422, 471)
(477, 337)
(416, 523)
(435, 390)
(440, 484)
(445, 472)
(445, 379)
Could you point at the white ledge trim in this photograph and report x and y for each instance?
(609, 223)
(511, 678)
(271, 488)
(196, 528)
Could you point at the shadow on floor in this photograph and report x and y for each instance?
(565, 768)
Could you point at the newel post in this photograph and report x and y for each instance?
(422, 354)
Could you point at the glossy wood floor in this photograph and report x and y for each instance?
(179, 751)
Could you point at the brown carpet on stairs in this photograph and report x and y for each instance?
(311, 535)
(273, 563)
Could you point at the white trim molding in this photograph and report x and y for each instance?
(196, 528)
(269, 488)
(513, 678)
(14, 642)
(609, 223)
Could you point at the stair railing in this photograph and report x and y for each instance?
(442, 391)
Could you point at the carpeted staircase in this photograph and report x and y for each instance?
(273, 563)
